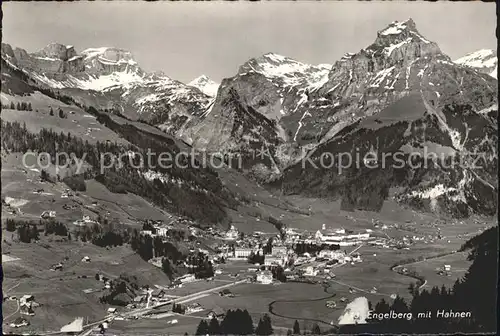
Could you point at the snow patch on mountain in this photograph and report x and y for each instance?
(484, 60)
(288, 70)
(205, 85)
(388, 50)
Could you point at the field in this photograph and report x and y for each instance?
(459, 265)
(21, 183)
(60, 293)
(78, 122)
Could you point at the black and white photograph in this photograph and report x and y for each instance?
(249, 168)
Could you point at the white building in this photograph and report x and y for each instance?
(161, 231)
(265, 277)
(327, 236)
(270, 260)
(311, 271)
(48, 214)
(331, 254)
(242, 252)
(279, 250)
(232, 233)
(339, 237)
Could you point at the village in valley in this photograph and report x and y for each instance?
(225, 269)
(126, 266)
(250, 226)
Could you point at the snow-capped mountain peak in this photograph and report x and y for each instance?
(287, 71)
(398, 34)
(397, 27)
(205, 85)
(484, 60)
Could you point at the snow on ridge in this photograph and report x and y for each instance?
(47, 58)
(394, 29)
(292, 72)
(493, 107)
(479, 59)
(93, 52)
(494, 73)
(74, 58)
(275, 57)
(92, 82)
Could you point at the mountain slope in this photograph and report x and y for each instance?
(110, 79)
(76, 128)
(246, 116)
(402, 95)
(484, 60)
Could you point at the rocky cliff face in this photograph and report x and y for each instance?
(248, 116)
(304, 106)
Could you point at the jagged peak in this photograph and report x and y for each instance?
(201, 79)
(397, 27)
(399, 32)
(205, 85)
(276, 57)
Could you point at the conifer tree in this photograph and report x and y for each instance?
(316, 330)
(264, 327)
(214, 327)
(296, 328)
(202, 328)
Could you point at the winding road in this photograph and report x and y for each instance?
(396, 267)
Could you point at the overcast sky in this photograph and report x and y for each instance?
(187, 39)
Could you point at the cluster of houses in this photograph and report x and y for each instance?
(19, 322)
(47, 214)
(328, 236)
(86, 220)
(26, 305)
